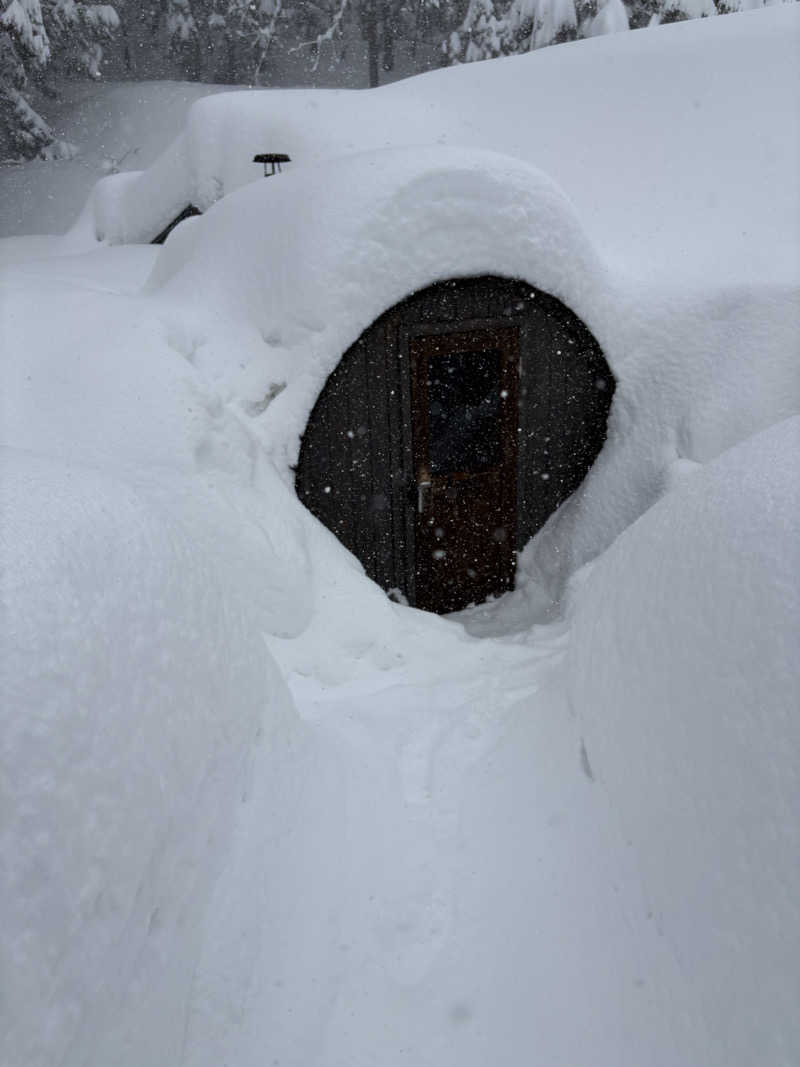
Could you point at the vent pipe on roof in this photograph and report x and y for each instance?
(273, 160)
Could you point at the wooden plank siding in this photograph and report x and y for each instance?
(356, 466)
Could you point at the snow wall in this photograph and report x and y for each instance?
(135, 682)
(683, 675)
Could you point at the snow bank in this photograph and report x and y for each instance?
(696, 373)
(148, 547)
(135, 682)
(642, 167)
(141, 566)
(683, 668)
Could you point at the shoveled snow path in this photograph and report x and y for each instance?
(482, 904)
(414, 738)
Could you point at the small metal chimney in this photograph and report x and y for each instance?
(272, 160)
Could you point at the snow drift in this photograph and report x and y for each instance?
(134, 679)
(136, 586)
(201, 863)
(683, 674)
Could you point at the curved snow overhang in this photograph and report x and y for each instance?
(309, 259)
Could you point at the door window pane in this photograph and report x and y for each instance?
(464, 412)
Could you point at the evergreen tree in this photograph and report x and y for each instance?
(680, 10)
(481, 34)
(36, 36)
(493, 28)
(505, 27)
(24, 46)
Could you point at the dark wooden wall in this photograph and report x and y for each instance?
(355, 471)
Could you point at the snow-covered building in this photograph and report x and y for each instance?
(609, 205)
(259, 811)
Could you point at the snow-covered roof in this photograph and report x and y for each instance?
(687, 177)
(296, 269)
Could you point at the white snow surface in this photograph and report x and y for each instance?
(652, 187)
(134, 681)
(683, 674)
(254, 812)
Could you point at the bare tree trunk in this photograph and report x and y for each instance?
(127, 53)
(389, 27)
(231, 65)
(415, 42)
(369, 17)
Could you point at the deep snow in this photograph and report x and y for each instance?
(675, 146)
(684, 678)
(254, 811)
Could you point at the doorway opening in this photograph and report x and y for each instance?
(450, 431)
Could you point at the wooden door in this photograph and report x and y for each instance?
(464, 428)
(366, 451)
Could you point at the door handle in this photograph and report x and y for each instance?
(421, 488)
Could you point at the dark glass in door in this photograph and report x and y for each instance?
(464, 392)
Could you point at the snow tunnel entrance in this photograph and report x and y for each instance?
(448, 434)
